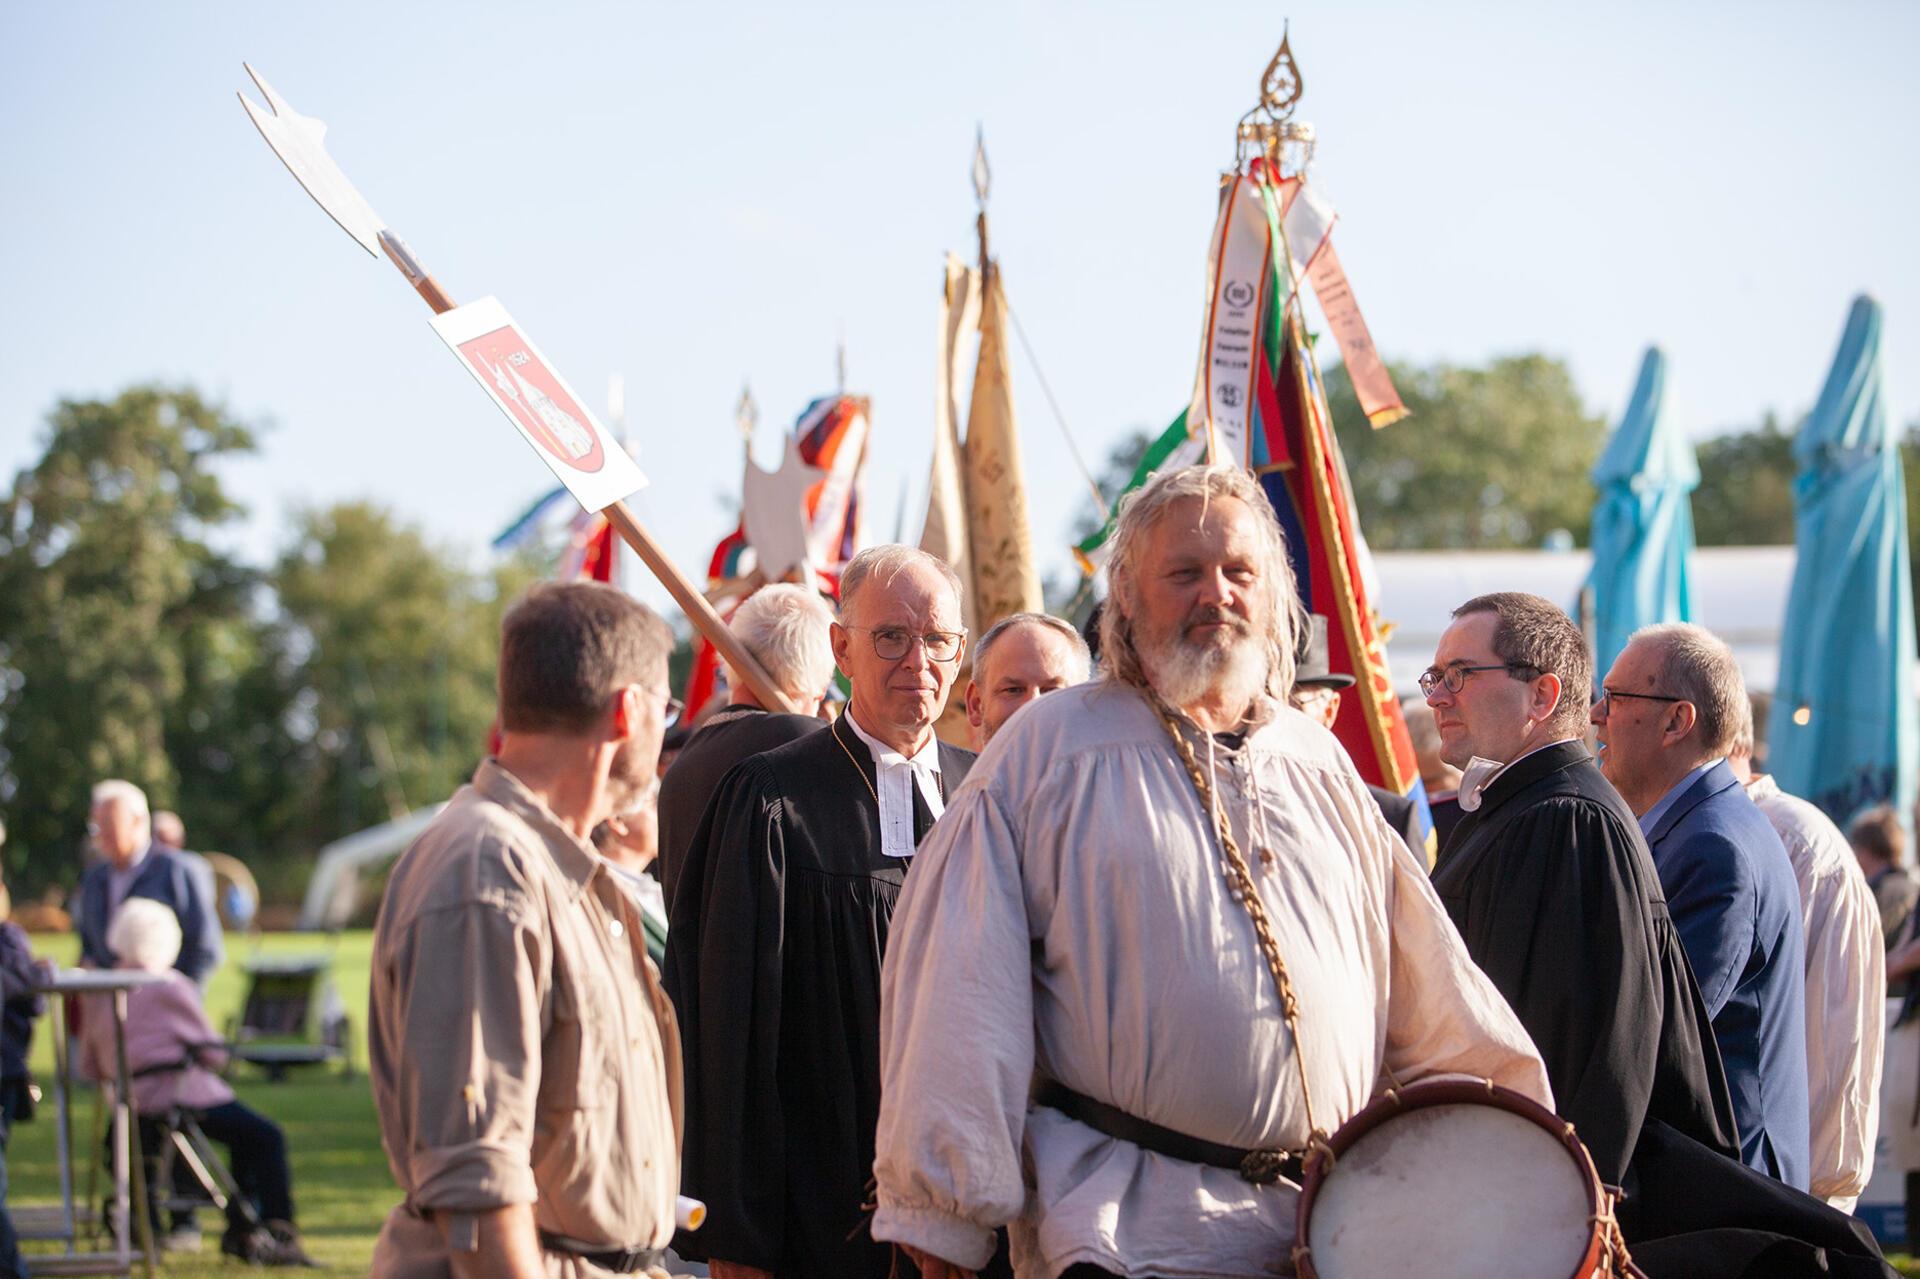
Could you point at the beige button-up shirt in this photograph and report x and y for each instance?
(522, 1048)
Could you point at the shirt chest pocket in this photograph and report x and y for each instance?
(577, 1069)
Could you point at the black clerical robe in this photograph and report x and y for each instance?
(709, 755)
(773, 962)
(1551, 885)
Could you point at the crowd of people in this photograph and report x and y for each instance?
(1087, 999)
(1085, 1002)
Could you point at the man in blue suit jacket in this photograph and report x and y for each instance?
(1667, 715)
(133, 865)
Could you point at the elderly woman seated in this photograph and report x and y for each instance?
(173, 1054)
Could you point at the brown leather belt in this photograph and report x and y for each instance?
(1261, 1167)
(621, 1261)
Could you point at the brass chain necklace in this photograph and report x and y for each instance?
(1241, 888)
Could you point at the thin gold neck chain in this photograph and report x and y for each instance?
(1241, 888)
(848, 752)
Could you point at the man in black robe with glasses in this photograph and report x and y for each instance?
(1550, 883)
(779, 926)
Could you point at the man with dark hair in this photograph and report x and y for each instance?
(1551, 885)
(523, 1056)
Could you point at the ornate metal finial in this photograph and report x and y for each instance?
(746, 414)
(1280, 83)
(1269, 126)
(840, 363)
(982, 175)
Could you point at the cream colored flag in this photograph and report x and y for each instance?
(999, 533)
(945, 533)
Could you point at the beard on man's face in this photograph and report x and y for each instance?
(1230, 663)
(633, 773)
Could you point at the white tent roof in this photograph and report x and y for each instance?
(1739, 593)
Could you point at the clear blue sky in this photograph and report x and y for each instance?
(697, 196)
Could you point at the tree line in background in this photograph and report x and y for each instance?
(279, 708)
(275, 708)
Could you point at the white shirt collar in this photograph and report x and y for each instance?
(896, 776)
(1480, 774)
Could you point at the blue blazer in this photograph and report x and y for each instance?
(166, 878)
(1732, 894)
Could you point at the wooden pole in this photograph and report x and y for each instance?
(691, 601)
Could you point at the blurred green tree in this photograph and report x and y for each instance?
(1493, 457)
(114, 607)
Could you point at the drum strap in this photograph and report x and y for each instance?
(1261, 1167)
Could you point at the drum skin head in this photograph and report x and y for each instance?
(1453, 1192)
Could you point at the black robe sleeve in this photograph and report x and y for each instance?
(723, 971)
(1556, 913)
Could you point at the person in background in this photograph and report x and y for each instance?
(779, 926)
(134, 864)
(1846, 980)
(20, 1004)
(1022, 656)
(1441, 779)
(785, 628)
(1316, 694)
(1880, 846)
(1667, 717)
(170, 832)
(174, 1055)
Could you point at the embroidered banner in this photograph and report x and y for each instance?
(1237, 294)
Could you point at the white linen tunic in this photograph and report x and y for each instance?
(1846, 993)
(1070, 914)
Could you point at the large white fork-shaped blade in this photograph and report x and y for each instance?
(300, 142)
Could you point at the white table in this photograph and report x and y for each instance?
(129, 1168)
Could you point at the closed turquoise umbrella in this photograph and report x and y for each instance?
(1643, 522)
(1844, 732)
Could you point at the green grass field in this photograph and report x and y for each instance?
(340, 1181)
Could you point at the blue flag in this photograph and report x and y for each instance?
(1843, 731)
(1643, 521)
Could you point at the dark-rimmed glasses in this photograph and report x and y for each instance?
(1454, 678)
(1607, 694)
(891, 643)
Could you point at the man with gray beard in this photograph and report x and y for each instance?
(1082, 927)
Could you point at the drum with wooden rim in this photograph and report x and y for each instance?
(1455, 1178)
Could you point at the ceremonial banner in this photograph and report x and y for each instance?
(945, 532)
(1308, 221)
(539, 403)
(1239, 268)
(1000, 540)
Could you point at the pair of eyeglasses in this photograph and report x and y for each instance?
(891, 643)
(1454, 678)
(1608, 694)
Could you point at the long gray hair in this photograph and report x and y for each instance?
(1140, 511)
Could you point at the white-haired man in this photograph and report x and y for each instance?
(1071, 936)
(779, 923)
(1667, 716)
(1846, 980)
(134, 864)
(1022, 656)
(786, 629)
